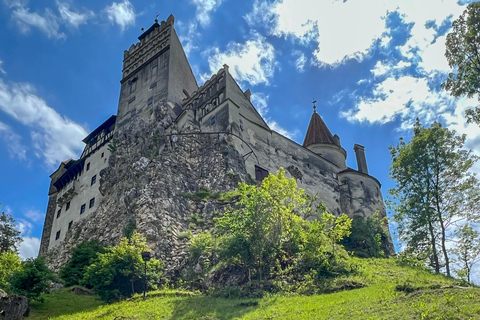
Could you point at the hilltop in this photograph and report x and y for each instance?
(384, 289)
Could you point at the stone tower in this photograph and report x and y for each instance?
(155, 70)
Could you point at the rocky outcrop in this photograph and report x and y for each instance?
(152, 170)
(13, 307)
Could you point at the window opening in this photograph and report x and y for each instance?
(68, 206)
(260, 173)
(82, 208)
(92, 202)
(58, 213)
(70, 225)
(57, 236)
(150, 100)
(94, 179)
(212, 120)
(88, 166)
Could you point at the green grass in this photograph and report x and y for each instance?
(429, 297)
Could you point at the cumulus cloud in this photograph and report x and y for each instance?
(204, 9)
(73, 18)
(347, 30)
(29, 247)
(47, 23)
(253, 61)
(122, 13)
(406, 97)
(260, 101)
(13, 141)
(55, 138)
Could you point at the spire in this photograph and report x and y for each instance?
(317, 130)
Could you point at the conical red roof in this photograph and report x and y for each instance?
(317, 132)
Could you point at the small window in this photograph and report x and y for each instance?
(94, 179)
(131, 99)
(133, 113)
(150, 100)
(57, 236)
(70, 225)
(153, 85)
(241, 124)
(58, 213)
(155, 63)
(68, 206)
(260, 173)
(212, 120)
(82, 208)
(103, 154)
(92, 202)
(88, 166)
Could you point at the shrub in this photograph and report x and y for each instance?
(119, 272)
(83, 255)
(9, 263)
(369, 237)
(32, 279)
(202, 244)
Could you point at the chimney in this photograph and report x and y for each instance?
(361, 160)
(336, 140)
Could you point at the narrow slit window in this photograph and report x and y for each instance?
(57, 236)
(92, 203)
(59, 212)
(82, 208)
(68, 206)
(212, 120)
(88, 166)
(70, 225)
(94, 179)
(150, 100)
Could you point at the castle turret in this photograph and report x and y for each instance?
(319, 140)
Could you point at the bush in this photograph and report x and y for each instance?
(9, 263)
(119, 272)
(369, 237)
(32, 279)
(83, 255)
(202, 244)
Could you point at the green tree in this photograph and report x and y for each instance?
(467, 250)
(32, 279)
(369, 237)
(9, 235)
(83, 255)
(266, 221)
(9, 263)
(119, 271)
(463, 55)
(434, 188)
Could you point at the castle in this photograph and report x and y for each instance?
(171, 137)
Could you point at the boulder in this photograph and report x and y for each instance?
(13, 307)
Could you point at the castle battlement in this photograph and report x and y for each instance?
(152, 41)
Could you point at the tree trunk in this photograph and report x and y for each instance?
(434, 247)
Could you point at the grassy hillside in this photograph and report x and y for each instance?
(390, 292)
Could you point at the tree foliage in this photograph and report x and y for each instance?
(9, 235)
(463, 55)
(267, 234)
(369, 237)
(83, 255)
(119, 271)
(434, 188)
(466, 250)
(9, 263)
(32, 279)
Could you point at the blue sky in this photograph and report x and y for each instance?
(374, 66)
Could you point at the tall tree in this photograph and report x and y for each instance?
(463, 55)
(467, 250)
(434, 189)
(9, 235)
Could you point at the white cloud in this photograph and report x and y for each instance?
(47, 23)
(29, 247)
(25, 227)
(14, 142)
(55, 138)
(260, 101)
(347, 30)
(253, 61)
(381, 69)
(73, 18)
(34, 215)
(300, 62)
(406, 98)
(204, 8)
(122, 13)
(1, 68)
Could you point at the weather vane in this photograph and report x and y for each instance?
(156, 17)
(314, 106)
